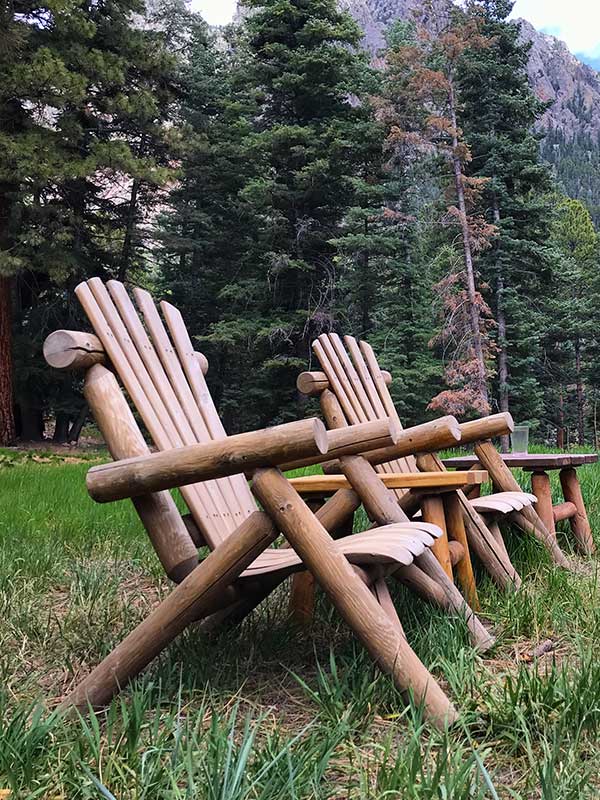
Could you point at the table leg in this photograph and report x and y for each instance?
(456, 530)
(579, 521)
(540, 486)
(433, 511)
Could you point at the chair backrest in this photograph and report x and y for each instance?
(162, 375)
(356, 379)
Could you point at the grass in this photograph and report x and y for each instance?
(268, 711)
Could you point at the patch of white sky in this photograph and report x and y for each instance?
(577, 22)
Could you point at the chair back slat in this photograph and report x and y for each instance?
(242, 496)
(182, 395)
(355, 378)
(158, 387)
(202, 499)
(181, 404)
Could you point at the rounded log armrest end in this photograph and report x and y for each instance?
(313, 383)
(487, 427)
(72, 350)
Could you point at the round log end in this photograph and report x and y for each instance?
(320, 434)
(203, 361)
(453, 426)
(73, 350)
(312, 383)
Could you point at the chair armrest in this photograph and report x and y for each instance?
(305, 440)
(486, 428)
(420, 481)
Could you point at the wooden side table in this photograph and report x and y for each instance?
(440, 506)
(539, 465)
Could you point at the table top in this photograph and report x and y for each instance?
(417, 481)
(530, 461)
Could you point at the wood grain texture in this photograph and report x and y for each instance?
(479, 537)
(349, 595)
(503, 478)
(406, 480)
(72, 350)
(187, 465)
(530, 461)
(580, 524)
(158, 512)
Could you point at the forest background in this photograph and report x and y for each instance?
(275, 181)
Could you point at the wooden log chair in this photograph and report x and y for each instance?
(353, 389)
(164, 379)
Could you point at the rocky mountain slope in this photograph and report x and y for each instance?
(571, 126)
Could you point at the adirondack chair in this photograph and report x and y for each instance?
(164, 379)
(353, 389)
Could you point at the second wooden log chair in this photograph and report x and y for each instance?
(164, 379)
(353, 388)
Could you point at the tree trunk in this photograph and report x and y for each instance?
(560, 430)
(7, 415)
(580, 396)
(503, 396)
(77, 426)
(61, 431)
(127, 251)
(30, 423)
(474, 316)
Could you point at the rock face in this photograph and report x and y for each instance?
(555, 74)
(571, 86)
(572, 123)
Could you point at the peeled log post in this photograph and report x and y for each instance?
(215, 459)
(351, 440)
(480, 538)
(432, 507)
(382, 507)
(459, 545)
(349, 594)
(580, 524)
(502, 477)
(158, 512)
(73, 350)
(197, 595)
(313, 383)
(76, 350)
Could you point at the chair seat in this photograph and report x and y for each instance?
(500, 503)
(398, 543)
(503, 502)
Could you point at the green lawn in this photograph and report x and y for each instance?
(267, 711)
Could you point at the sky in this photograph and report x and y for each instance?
(577, 22)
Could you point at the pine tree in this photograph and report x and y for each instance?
(84, 150)
(498, 112)
(572, 314)
(263, 198)
(421, 112)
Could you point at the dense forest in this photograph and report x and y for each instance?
(275, 183)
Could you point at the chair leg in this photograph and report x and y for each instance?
(433, 511)
(349, 594)
(200, 590)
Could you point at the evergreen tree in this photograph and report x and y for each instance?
(86, 150)
(267, 198)
(498, 112)
(571, 338)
